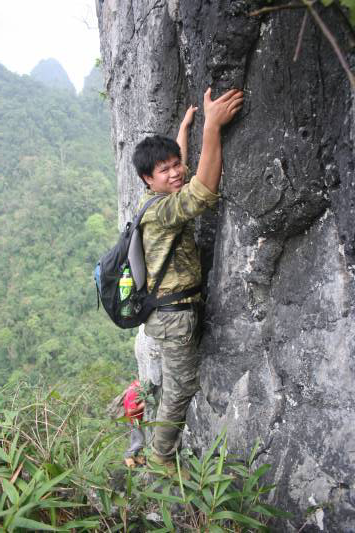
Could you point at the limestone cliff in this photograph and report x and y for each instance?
(279, 255)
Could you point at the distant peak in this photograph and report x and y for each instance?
(51, 73)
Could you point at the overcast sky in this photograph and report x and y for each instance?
(31, 30)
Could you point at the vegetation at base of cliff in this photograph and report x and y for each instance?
(58, 215)
(61, 469)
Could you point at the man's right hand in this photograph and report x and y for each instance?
(222, 110)
(217, 113)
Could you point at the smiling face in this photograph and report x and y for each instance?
(167, 176)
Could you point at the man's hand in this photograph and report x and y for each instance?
(217, 113)
(182, 138)
(221, 111)
(189, 116)
(135, 411)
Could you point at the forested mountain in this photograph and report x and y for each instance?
(58, 215)
(51, 73)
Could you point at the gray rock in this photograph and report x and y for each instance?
(279, 254)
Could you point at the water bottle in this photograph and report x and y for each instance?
(125, 286)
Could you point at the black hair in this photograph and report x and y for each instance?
(153, 150)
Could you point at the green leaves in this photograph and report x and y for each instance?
(239, 519)
(221, 492)
(349, 4)
(10, 491)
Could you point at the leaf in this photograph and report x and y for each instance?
(105, 500)
(196, 476)
(4, 457)
(327, 3)
(18, 455)
(201, 505)
(13, 448)
(129, 483)
(266, 488)
(241, 470)
(253, 452)
(27, 523)
(2, 502)
(26, 490)
(269, 510)
(207, 494)
(53, 469)
(119, 527)
(254, 478)
(9, 416)
(117, 500)
(213, 528)
(350, 4)
(216, 478)
(219, 470)
(46, 487)
(5, 472)
(222, 456)
(223, 487)
(8, 511)
(23, 509)
(58, 504)
(236, 495)
(209, 453)
(54, 394)
(196, 464)
(87, 523)
(179, 476)
(166, 517)
(163, 497)
(191, 485)
(239, 518)
(10, 491)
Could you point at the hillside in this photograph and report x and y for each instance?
(51, 73)
(58, 215)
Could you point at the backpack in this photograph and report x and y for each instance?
(128, 253)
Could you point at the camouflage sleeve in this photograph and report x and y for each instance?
(177, 208)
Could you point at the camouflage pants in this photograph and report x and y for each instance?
(176, 335)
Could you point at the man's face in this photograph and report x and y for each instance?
(167, 176)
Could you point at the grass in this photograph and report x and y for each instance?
(61, 469)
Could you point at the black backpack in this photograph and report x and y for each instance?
(128, 253)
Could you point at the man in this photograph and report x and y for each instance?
(133, 409)
(160, 162)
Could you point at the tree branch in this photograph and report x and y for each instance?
(300, 36)
(332, 41)
(270, 9)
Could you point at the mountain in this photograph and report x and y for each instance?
(51, 73)
(58, 215)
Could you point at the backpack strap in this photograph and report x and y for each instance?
(162, 271)
(169, 298)
(137, 219)
(151, 297)
(164, 300)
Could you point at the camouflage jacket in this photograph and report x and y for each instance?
(160, 224)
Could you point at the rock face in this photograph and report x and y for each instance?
(279, 256)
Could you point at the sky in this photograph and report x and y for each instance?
(66, 30)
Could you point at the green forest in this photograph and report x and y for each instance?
(58, 215)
